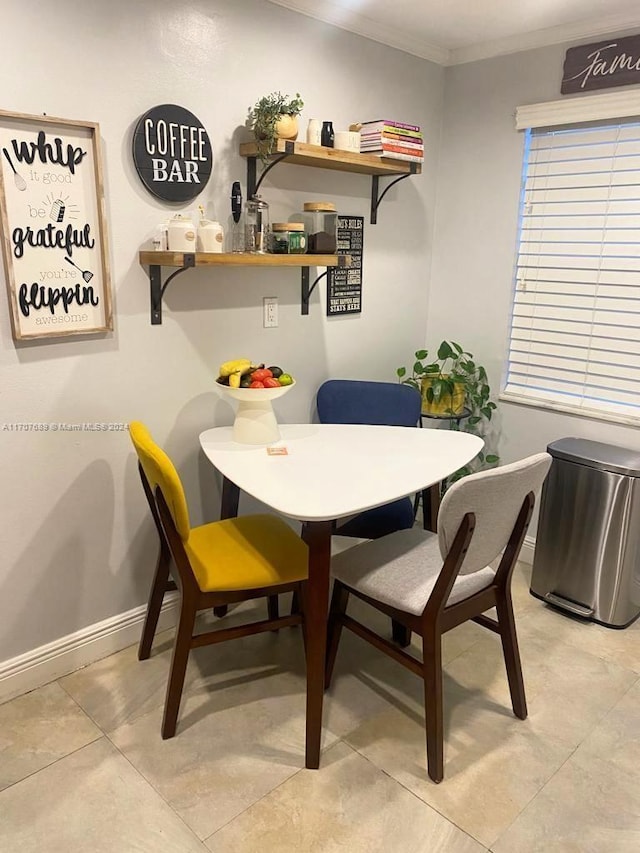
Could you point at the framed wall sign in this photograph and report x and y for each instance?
(344, 284)
(172, 153)
(601, 65)
(52, 225)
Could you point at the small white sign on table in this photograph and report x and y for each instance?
(52, 223)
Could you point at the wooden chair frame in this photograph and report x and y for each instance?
(193, 600)
(437, 619)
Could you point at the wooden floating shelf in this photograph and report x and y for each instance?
(333, 158)
(183, 261)
(243, 259)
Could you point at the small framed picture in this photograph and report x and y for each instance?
(52, 224)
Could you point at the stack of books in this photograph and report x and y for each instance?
(393, 139)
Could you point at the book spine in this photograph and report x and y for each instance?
(391, 155)
(379, 123)
(386, 141)
(400, 137)
(395, 132)
(397, 149)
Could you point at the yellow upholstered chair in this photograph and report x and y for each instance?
(215, 564)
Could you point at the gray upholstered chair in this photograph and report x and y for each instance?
(432, 582)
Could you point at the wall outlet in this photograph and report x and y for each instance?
(270, 312)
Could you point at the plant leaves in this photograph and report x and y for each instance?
(445, 351)
(422, 354)
(491, 458)
(401, 371)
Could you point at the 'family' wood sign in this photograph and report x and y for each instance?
(615, 62)
(52, 224)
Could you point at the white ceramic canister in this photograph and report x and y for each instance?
(210, 236)
(314, 130)
(181, 234)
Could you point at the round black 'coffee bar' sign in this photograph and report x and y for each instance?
(172, 153)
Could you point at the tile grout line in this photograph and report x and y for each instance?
(416, 797)
(138, 772)
(567, 759)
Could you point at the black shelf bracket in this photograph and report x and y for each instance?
(253, 182)
(306, 290)
(158, 288)
(375, 185)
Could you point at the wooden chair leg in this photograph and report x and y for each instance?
(295, 603)
(299, 594)
(338, 608)
(272, 607)
(400, 634)
(181, 649)
(506, 620)
(158, 589)
(433, 710)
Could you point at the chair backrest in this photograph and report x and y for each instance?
(495, 497)
(354, 401)
(160, 472)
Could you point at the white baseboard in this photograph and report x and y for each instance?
(46, 663)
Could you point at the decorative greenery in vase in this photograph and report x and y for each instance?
(264, 116)
(454, 386)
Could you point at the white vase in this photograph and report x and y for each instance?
(314, 130)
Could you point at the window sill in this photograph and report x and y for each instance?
(591, 414)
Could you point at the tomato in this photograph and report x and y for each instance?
(270, 382)
(256, 384)
(261, 374)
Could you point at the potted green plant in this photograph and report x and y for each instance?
(454, 387)
(273, 117)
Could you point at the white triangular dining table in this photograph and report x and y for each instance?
(318, 473)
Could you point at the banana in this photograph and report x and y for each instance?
(239, 364)
(234, 379)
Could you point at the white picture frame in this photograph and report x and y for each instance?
(53, 227)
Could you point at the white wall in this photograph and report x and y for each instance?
(476, 227)
(76, 543)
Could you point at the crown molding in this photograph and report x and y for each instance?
(594, 28)
(338, 16)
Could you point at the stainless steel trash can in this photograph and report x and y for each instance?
(587, 556)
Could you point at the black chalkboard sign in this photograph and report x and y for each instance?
(601, 65)
(344, 284)
(172, 153)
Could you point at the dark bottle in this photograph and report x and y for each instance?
(326, 135)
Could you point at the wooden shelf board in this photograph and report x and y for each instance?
(237, 259)
(334, 158)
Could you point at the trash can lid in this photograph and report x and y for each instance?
(595, 454)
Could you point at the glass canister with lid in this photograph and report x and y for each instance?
(256, 230)
(288, 238)
(320, 221)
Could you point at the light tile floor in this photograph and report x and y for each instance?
(83, 767)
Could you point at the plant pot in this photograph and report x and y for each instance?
(287, 127)
(448, 404)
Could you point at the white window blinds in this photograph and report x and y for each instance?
(575, 335)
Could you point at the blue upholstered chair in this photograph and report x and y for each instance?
(350, 401)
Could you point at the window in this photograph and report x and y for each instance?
(575, 333)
